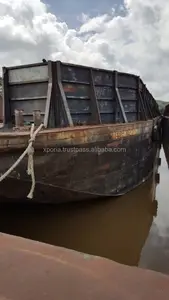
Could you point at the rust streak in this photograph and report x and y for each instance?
(71, 136)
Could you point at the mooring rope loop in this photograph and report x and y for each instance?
(30, 152)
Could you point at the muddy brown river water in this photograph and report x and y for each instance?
(133, 229)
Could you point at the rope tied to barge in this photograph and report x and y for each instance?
(30, 152)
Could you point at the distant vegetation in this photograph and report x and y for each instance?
(161, 105)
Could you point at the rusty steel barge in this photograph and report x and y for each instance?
(100, 135)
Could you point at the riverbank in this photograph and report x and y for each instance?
(33, 270)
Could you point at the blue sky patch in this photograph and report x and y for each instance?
(69, 11)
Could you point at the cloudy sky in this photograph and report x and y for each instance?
(129, 35)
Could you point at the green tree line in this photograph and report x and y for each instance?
(161, 105)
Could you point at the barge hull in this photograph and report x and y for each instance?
(66, 175)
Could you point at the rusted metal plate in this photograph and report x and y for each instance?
(72, 136)
(127, 81)
(32, 73)
(27, 89)
(31, 270)
(72, 74)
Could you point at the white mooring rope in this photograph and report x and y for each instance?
(30, 151)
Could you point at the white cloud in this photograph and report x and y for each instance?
(135, 42)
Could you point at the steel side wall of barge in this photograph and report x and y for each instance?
(114, 110)
(69, 95)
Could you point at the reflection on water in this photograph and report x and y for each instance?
(124, 229)
(155, 254)
(116, 229)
